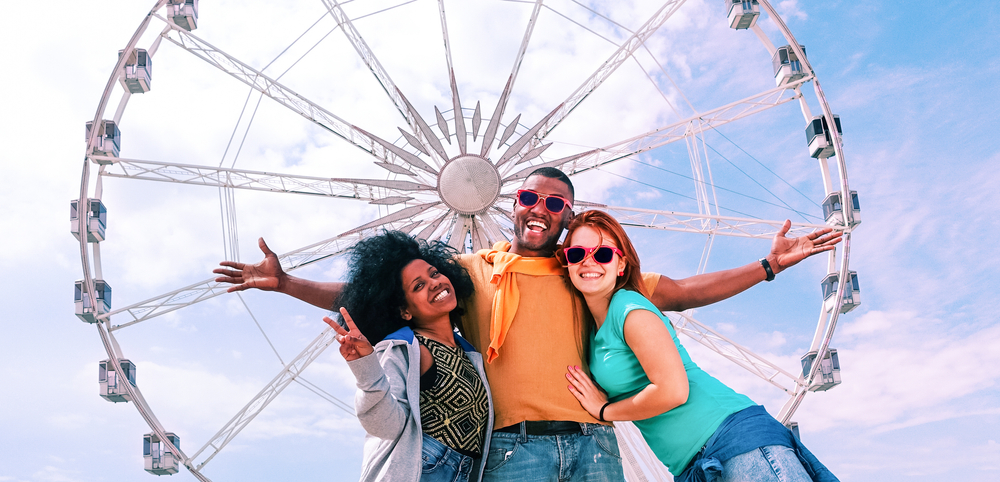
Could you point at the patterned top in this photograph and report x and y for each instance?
(455, 409)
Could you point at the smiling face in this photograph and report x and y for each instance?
(593, 279)
(429, 294)
(536, 230)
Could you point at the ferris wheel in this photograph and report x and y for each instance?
(457, 104)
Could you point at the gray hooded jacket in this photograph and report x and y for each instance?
(388, 406)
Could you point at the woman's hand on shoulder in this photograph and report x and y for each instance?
(353, 344)
(591, 398)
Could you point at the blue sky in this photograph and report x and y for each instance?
(915, 88)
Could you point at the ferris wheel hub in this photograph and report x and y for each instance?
(469, 184)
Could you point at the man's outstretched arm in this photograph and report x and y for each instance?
(267, 275)
(708, 288)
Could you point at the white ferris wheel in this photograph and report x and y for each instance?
(457, 103)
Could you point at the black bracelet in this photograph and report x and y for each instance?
(601, 415)
(767, 269)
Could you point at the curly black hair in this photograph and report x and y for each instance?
(374, 292)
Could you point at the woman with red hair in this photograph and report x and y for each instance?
(698, 427)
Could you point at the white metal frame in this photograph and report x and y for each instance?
(416, 205)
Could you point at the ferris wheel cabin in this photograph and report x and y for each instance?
(85, 309)
(819, 138)
(833, 210)
(852, 292)
(158, 459)
(743, 13)
(787, 65)
(97, 220)
(184, 13)
(109, 139)
(828, 375)
(113, 383)
(138, 71)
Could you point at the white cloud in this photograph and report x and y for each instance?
(56, 474)
(69, 421)
(904, 369)
(790, 9)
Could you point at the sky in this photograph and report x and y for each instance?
(914, 87)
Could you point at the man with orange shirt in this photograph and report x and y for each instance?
(528, 324)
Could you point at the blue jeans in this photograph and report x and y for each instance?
(440, 463)
(590, 455)
(771, 463)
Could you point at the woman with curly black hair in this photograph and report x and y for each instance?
(422, 394)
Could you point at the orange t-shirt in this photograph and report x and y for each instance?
(528, 380)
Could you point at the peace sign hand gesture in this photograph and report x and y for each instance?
(353, 344)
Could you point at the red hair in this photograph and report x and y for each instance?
(610, 228)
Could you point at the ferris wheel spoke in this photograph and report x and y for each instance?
(435, 144)
(501, 214)
(411, 159)
(459, 230)
(500, 221)
(368, 57)
(521, 142)
(494, 231)
(680, 130)
(491, 129)
(378, 191)
(482, 238)
(288, 98)
(738, 354)
(609, 66)
(287, 375)
(705, 223)
(408, 213)
(207, 289)
(167, 303)
(429, 231)
(460, 133)
(558, 163)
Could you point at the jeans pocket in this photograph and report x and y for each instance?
(430, 463)
(606, 440)
(433, 454)
(502, 449)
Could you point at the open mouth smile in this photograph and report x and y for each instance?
(536, 226)
(440, 296)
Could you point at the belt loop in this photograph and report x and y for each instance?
(524, 431)
(585, 428)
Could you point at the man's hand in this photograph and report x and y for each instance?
(786, 252)
(265, 275)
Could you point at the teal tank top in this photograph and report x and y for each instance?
(677, 435)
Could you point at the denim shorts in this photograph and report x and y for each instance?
(588, 455)
(440, 463)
